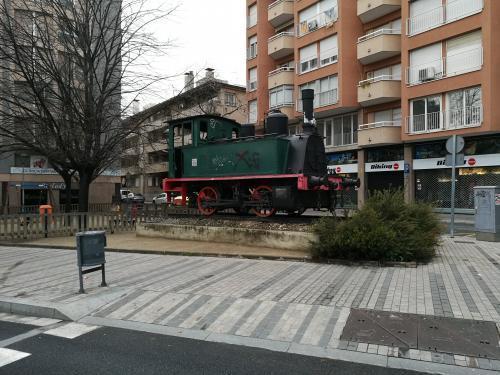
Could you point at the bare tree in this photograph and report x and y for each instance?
(65, 66)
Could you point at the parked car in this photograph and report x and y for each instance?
(138, 198)
(124, 194)
(160, 199)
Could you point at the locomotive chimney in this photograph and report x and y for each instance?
(308, 105)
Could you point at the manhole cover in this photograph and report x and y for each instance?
(410, 331)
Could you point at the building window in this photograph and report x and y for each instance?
(428, 14)
(390, 117)
(230, 99)
(252, 79)
(252, 47)
(464, 54)
(325, 92)
(342, 158)
(322, 13)
(464, 108)
(425, 115)
(385, 154)
(308, 58)
(425, 64)
(328, 51)
(252, 16)
(340, 130)
(252, 112)
(281, 96)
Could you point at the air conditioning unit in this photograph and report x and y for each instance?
(312, 25)
(427, 74)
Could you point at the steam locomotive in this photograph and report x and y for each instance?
(215, 163)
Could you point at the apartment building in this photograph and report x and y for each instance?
(393, 80)
(29, 179)
(144, 163)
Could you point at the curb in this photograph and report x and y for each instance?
(30, 309)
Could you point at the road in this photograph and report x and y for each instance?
(106, 350)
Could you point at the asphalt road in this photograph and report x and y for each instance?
(119, 351)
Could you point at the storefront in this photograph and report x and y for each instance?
(345, 164)
(385, 169)
(481, 167)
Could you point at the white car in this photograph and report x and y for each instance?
(160, 199)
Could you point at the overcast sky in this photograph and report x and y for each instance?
(204, 34)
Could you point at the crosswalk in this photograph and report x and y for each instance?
(44, 326)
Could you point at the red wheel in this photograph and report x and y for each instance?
(262, 194)
(206, 196)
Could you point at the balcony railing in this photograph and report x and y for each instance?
(321, 99)
(383, 77)
(252, 52)
(251, 85)
(318, 21)
(378, 33)
(380, 124)
(280, 35)
(439, 121)
(452, 11)
(456, 64)
(281, 70)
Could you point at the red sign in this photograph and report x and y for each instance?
(396, 166)
(471, 162)
(339, 169)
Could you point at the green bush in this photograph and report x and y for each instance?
(385, 229)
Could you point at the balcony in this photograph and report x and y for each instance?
(280, 45)
(281, 76)
(468, 117)
(379, 45)
(279, 12)
(379, 133)
(378, 90)
(452, 65)
(369, 10)
(450, 12)
(322, 19)
(322, 99)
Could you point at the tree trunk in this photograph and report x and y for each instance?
(67, 203)
(83, 195)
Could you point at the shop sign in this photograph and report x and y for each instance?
(343, 168)
(386, 166)
(43, 171)
(468, 162)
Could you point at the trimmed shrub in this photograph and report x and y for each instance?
(385, 229)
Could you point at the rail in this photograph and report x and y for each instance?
(377, 33)
(282, 69)
(318, 21)
(439, 121)
(380, 124)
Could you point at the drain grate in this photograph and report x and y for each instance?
(410, 331)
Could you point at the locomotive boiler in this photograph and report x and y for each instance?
(215, 163)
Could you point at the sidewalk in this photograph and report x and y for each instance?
(279, 305)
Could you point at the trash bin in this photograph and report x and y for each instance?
(90, 248)
(487, 213)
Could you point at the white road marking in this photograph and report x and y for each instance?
(71, 330)
(8, 356)
(30, 320)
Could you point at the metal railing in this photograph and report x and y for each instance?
(451, 65)
(441, 121)
(321, 99)
(380, 124)
(281, 35)
(252, 85)
(378, 33)
(383, 77)
(452, 11)
(252, 52)
(277, 2)
(281, 70)
(318, 21)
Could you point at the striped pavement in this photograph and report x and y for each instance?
(292, 302)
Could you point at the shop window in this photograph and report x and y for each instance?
(385, 154)
(338, 158)
(430, 150)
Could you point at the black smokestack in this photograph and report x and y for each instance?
(308, 108)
